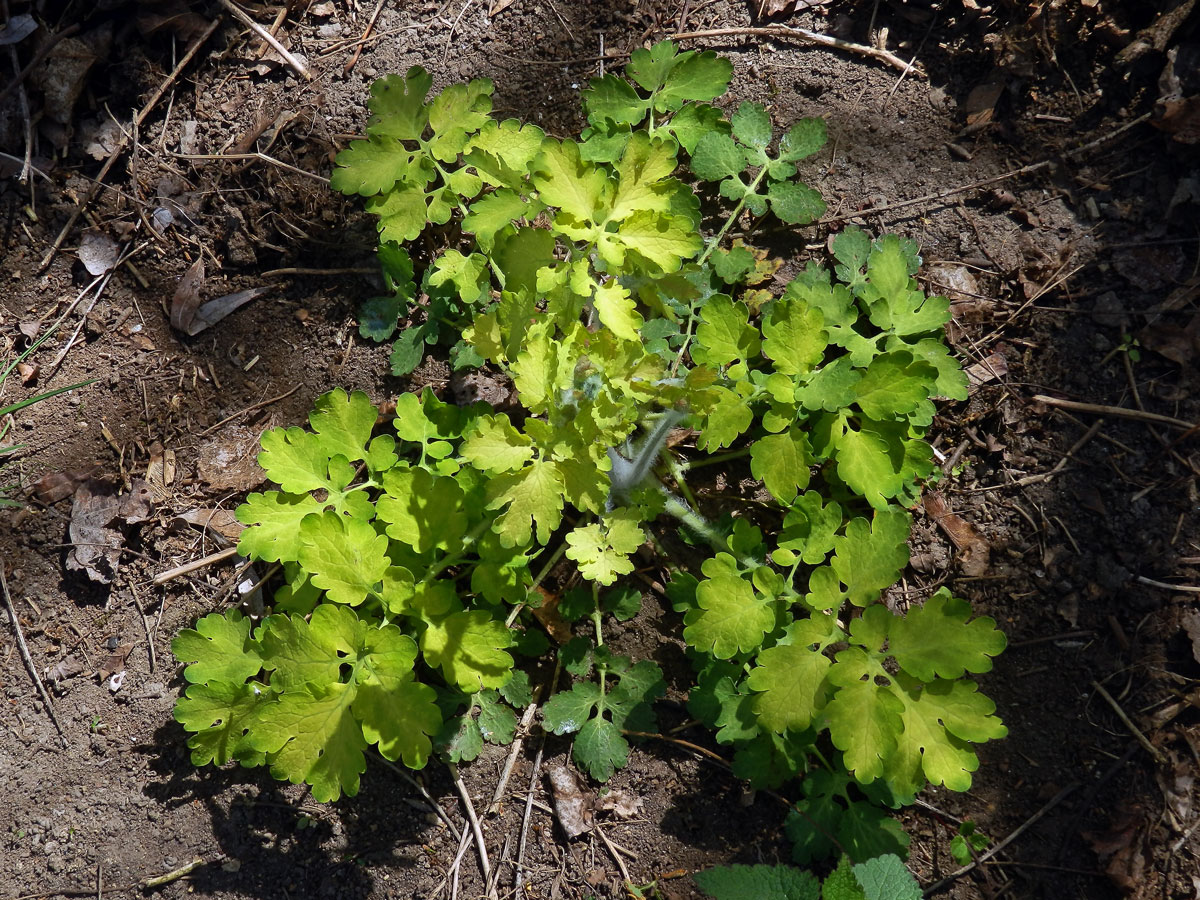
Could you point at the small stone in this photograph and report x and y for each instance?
(51, 847)
(55, 864)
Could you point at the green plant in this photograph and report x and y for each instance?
(881, 878)
(577, 269)
(968, 843)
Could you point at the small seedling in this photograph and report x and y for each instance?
(968, 843)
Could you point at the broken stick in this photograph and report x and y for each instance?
(27, 659)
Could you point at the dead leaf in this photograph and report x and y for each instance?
(1124, 847)
(64, 669)
(160, 470)
(55, 486)
(499, 6)
(222, 521)
(1180, 345)
(28, 373)
(98, 514)
(980, 105)
(98, 253)
(1150, 268)
(187, 296)
(229, 460)
(173, 16)
(624, 804)
(1190, 620)
(768, 8)
(114, 662)
(214, 311)
(1176, 786)
(1068, 608)
(956, 283)
(61, 76)
(17, 29)
(573, 801)
(974, 552)
(993, 368)
(191, 316)
(29, 329)
(547, 615)
(100, 139)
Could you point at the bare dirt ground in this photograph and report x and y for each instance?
(1075, 278)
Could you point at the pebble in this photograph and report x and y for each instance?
(55, 864)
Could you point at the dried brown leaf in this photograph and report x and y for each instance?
(573, 801)
(55, 486)
(974, 552)
(114, 662)
(547, 615)
(993, 368)
(1124, 847)
(98, 514)
(624, 804)
(98, 252)
(229, 460)
(64, 669)
(222, 521)
(186, 299)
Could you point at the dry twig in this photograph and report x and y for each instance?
(187, 568)
(242, 16)
(476, 829)
(27, 659)
(1154, 752)
(1120, 412)
(249, 409)
(802, 34)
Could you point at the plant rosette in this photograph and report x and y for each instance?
(639, 351)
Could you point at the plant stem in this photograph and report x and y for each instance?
(719, 458)
(597, 617)
(708, 251)
(737, 211)
(450, 559)
(697, 523)
(677, 470)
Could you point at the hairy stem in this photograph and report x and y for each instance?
(450, 559)
(701, 526)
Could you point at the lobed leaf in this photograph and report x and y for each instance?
(936, 640)
(219, 648)
(730, 617)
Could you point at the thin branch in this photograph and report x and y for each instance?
(1120, 412)
(28, 660)
(242, 16)
(802, 34)
(984, 182)
(476, 829)
(187, 568)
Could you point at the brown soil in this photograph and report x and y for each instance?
(1070, 263)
